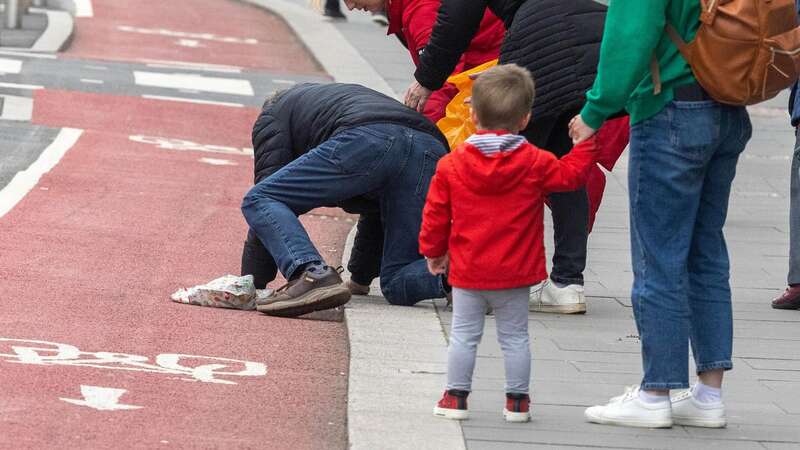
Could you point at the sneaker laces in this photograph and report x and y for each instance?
(630, 393)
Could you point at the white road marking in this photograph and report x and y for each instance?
(92, 81)
(193, 100)
(159, 64)
(17, 108)
(181, 144)
(189, 35)
(191, 43)
(28, 54)
(10, 65)
(25, 180)
(198, 82)
(217, 162)
(207, 369)
(32, 87)
(101, 399)
(96, 67)
(83, 8)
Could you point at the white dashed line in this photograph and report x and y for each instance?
(28, 54)
(173, 65)
(197, 82)
(21, 86)
(91, 81)
(10, 65)
(193, 100)
(83, 8)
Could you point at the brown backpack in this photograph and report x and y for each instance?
(745, 51)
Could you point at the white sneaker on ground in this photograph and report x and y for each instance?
(546, 297)
(629, 411)
(690, 412)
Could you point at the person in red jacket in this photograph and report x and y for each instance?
(412, 21)
(483, 225)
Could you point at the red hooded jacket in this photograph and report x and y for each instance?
(485, 207)
(413, 21)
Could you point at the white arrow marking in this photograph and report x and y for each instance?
(100, 398)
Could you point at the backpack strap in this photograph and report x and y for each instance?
(655, 72)
(676, 38)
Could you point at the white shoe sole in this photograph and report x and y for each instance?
(516, 416)
(628, 422)
(699, 422)
(454, 414)
(575, 308)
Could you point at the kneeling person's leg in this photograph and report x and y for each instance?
(271, 208)
(405, 279)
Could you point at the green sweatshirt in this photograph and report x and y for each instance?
(633, 30)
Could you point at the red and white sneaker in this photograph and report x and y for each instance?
(453, 405)
(518, 408)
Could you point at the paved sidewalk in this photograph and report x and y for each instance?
(45, 29)
(584, 360)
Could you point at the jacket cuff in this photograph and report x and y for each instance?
(428, 80)
(592, 117)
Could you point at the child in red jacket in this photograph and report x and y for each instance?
(483, 225)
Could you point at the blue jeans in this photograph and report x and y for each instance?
(794, 215)
(390, 164)
(682, 164)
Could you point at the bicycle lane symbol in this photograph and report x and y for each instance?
(207, 369)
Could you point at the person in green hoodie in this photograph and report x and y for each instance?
(683, 154)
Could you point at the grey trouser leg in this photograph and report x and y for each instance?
(511, 315)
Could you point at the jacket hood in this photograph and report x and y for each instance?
(493, 162)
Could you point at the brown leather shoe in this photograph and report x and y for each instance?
(314, 290)
(357, 289)
(790, 299)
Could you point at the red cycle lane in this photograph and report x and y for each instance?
(93, 354)
(223, 32)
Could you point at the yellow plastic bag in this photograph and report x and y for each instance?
(457, 124)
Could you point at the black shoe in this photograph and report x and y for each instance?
(318, 288)
(334, 13)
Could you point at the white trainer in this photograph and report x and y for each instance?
(629, 411)
(689, 412)
(546, 297)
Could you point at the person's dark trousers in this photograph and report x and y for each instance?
(570, 210)
(365, 257)
(257, 261)
(388, 163)
(332, 5)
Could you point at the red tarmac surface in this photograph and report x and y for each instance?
(89, 257)
(225, 32)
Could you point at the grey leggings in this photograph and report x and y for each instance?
(511, 315)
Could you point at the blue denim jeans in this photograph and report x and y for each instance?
(794, 215)
(389, 163)
(682, 164)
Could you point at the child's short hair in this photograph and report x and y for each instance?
(502, 96)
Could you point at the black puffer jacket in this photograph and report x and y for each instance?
(557, 40)
(309, 114)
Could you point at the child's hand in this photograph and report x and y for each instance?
(579, 131)
(438, 266)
